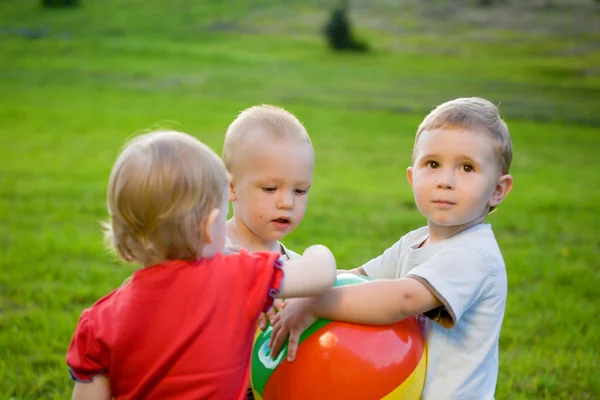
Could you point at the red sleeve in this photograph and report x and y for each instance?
(263, 277)
(86, 355)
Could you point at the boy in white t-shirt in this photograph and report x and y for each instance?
(451, 270)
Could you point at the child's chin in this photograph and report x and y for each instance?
(444, 222)
(278, 236)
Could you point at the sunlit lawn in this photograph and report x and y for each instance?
(94, 77)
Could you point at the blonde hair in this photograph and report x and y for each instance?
(161, 189)
(472, 113)
(273, 121)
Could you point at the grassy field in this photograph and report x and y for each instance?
(75, 84)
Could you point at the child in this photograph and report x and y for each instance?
(183, 326)
(451, 270)
(270, 159)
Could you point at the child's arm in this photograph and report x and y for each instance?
(310, 275)
(378, 302)
(355, 271)
(97, 389)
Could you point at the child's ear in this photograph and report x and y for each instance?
(409, 175)
(209, 223)
(232, 197)
(504, 186)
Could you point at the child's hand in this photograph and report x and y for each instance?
(295, 317)
(278, 305)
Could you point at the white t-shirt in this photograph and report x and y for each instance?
(467, 274)
(286, 254)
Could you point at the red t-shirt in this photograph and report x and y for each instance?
(178, 330)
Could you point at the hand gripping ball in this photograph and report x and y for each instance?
(339, 360)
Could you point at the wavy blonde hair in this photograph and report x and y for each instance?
(160, 192)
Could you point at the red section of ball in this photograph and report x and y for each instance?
(351, 361)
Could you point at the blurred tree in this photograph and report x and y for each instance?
(59, 3)
(339, 32)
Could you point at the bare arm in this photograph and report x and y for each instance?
(355, 271)
(310, 275)
(97, 389)
(377, 302)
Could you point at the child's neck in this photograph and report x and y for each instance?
(439, 233)
(239, 235)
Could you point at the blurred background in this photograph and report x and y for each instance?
(79, 77)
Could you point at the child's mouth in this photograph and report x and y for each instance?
(281, 223)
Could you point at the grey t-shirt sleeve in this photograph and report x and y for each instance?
(384, 266)
(456, 276)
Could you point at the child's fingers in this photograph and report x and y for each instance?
(271, 314)
(278, 335)
(277, 345)
(272, 340)
(275, 319)
(262, 321)
(273, 344)
(278, 304)
(293, 344)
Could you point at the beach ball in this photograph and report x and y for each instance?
(339, 360)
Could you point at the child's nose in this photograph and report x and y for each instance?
(445, 180)
(285, 200)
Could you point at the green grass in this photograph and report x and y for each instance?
(70, 98)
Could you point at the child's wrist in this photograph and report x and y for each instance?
(315, 307)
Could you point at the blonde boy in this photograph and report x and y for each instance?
(183, 326)
(451, 270)
(270, 159)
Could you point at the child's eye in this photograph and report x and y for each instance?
(468, 168)
(269, 189)
(432, 164)
(301, 191)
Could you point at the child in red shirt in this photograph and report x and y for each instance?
(183, 326)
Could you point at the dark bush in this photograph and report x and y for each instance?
(339, 32)
(59, 3)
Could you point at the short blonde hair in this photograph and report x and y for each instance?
(275, 122)
(472, 113)
(160, 192)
